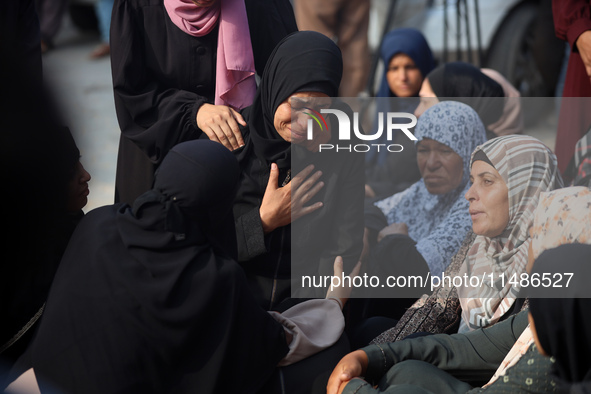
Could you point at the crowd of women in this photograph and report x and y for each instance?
(187, 283)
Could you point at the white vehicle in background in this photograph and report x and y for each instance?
(514, 37)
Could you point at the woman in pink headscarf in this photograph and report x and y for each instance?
(182, 69)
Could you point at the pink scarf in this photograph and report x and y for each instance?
(235, 84)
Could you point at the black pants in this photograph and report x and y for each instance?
(299, 378)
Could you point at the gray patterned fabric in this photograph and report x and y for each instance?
(439, 223)
(436, 313)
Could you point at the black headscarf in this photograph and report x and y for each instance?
(463, 80)
(563, 322)
(302, 61)
(149, 298)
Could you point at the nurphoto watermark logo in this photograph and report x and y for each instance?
(387, 122)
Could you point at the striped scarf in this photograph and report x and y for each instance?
(528, 168)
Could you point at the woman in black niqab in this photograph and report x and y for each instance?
(149, 299)
(563, 322)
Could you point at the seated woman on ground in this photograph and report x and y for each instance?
(456, 363)
(297, 207)
(149, 298)
(502, 201)
(487, 91)
(407, 60)
(46, 188)
(419, 229)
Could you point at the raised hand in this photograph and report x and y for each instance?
(343, 291)
(283, 205)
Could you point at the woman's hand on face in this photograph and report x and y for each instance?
(220, 123)
(281, 206)
(343, 291)
(351, 366)
(394, 228)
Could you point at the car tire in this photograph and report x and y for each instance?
(511, 51)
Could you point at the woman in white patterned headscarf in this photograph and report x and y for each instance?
(562, 217)
(433, 210)
(417, 231)
(508, 175)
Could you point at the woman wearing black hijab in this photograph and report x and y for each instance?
(562, 324)
(464, 82)
(149, 299)
(41, 175)
(276, 230)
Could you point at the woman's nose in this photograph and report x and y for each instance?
(85, 175)
(405, 74)
(470, 194)
(433, 161)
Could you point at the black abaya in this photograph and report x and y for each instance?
(38, 156)
(302, 62)
(149, 299)
(563, 322)
(162, 76)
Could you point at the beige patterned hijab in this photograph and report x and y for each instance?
(528, 168)
(562, 217)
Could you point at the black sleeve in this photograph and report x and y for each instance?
(396, 255)
(29, 39)
(250, 235)
(269, 22)
(20, 39)
(153, 109)
(374, 218)
(348, 226)
(480, 350)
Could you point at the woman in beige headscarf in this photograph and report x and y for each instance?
(517, 169)
(560, 217)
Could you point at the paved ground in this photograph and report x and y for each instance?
(84, 88)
